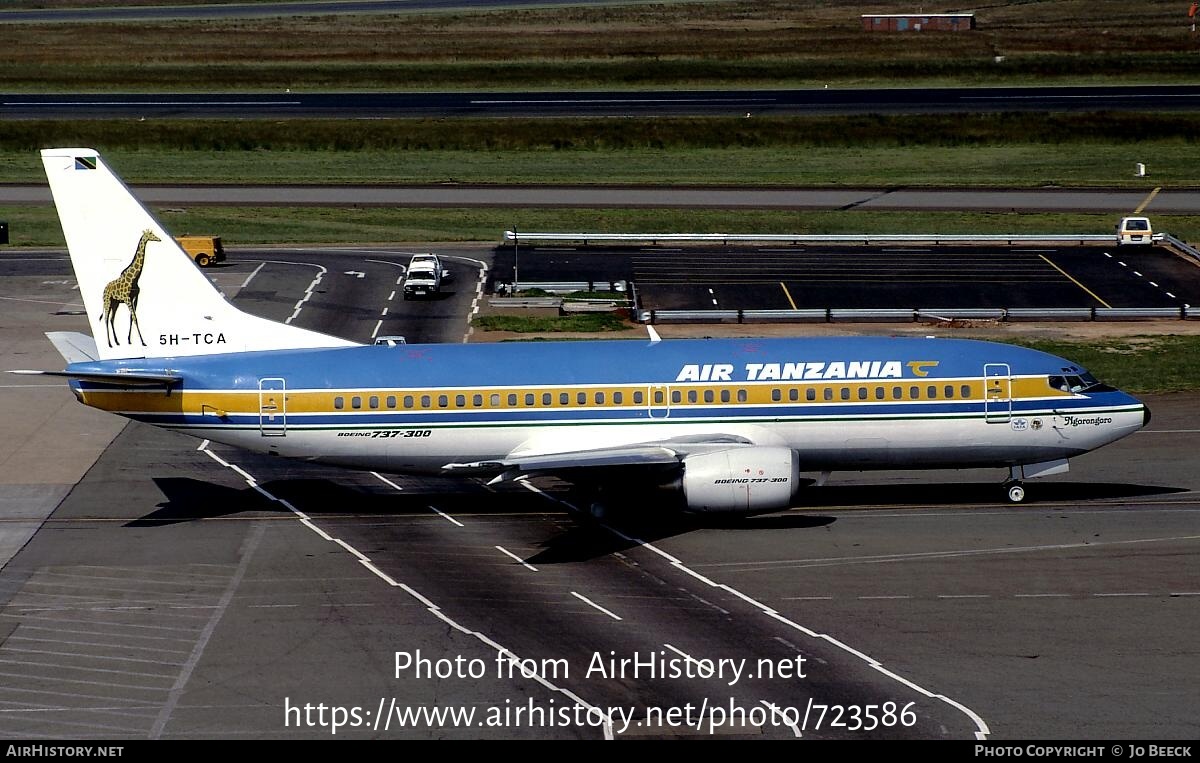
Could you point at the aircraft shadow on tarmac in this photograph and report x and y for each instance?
(189, 499)
(932, 495)
(590, 539)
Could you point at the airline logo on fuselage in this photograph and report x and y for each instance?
(804, 371)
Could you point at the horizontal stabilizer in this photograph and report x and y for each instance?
(74, 346)
(116, 379)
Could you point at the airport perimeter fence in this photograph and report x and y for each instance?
(654, 239)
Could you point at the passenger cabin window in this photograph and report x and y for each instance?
(339, 403)
(356, 402)
(879, 393)
(373, 402)
(618, 398)
(638, 397)
(794, 394)
(742, 396)
(949, 392)
(391, 401)
(477, 401)
(965, 390)
(581, 398)
(529, 398)
(676, 396)
(460, 401)
(931, 392)
(426, 401)
(547, 398)
(564, 398)
(443, 401)
(599, 398)
(724, 396)
(693, 396)
(862, 393)
(408, 401)
(776, 395)
(709, 396)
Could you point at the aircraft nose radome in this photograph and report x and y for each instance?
(1146, 416)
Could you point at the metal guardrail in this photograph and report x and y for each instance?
(525, 302)
(566, 305)
(917, 315)
(867, 239)
(566, 287)
(1183, 247)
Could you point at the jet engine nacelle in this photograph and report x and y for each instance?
(741, 479)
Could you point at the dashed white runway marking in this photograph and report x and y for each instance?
(518, 559)
(591, 603)
(982, 731)
(432, 608)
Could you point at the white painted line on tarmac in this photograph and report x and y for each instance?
(783, 717)
(440, 513)
(981, 728)
(250, 277)
(321, 271)
(591, 603)
(522, 562)
(446, 516)
(433, 609)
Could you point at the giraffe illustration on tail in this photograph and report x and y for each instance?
(124, 289)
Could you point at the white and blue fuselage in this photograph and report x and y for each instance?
(839, 403)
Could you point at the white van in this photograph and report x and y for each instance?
(1134, 230)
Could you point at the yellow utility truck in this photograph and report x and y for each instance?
(205, 250)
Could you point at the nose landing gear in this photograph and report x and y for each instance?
(1016, 492)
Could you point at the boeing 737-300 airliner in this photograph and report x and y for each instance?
(727, 425)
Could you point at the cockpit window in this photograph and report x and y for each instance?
(1078, 383)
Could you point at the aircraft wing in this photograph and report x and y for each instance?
(665, 453)
(573, 460)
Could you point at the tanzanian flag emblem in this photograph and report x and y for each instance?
(85, 162)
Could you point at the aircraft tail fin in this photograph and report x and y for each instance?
(144, 295)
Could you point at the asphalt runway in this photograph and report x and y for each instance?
(608, 103)
(904, 277)
(179, 592)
